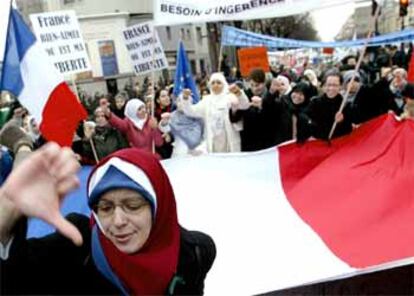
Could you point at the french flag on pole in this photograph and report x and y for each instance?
(299, 214)
(29, 75)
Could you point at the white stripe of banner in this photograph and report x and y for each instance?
(262, 244)
(38, 86)
(170, 12)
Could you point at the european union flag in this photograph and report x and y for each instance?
(183, 77)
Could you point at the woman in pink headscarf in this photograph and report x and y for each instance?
(139, 128)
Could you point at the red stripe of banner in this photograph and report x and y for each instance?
(61, 116)
(357, 192)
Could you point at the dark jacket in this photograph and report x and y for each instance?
(320, 116)
(383, 100)
(53, 265)
(106, 140)
(254, 133)
(165, 151)
(280, 113)
(361, 107)
(257, 134)
(118, 112)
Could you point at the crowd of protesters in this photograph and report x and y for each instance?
(234, 114)
(238, 114)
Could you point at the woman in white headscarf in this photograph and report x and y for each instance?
(283, 85)
(311, 76)
(219, 133)
(139, 128)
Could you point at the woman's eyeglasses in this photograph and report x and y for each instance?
(106, 208)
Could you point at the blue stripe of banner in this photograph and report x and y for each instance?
(75, 202)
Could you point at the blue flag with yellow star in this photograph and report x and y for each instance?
(183, 75)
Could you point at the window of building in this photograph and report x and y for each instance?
(182, 34)
(202, 66)
(168, 30)
(188, 34)
(66, 2)
(193, 66)
(199, 35)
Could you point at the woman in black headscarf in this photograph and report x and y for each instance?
(290, 123)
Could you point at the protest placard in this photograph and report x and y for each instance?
(145, 48)
(253, 58)
(60, 35)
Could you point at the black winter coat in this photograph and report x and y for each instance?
(106, 140)
(53, 265)
(320, 115)
(257, 134)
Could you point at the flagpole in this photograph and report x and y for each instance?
(75, 88)
(153, 82)
(358, 65)
(95, 155)
(220, 59)
(153, 74)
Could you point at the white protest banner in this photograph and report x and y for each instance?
(142, 43)
(168, 12)
(60, 35)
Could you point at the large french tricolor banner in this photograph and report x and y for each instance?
(302, 214)
(29, 74)
(296, 214)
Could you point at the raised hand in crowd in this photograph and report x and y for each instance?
(37, 186)
(242, 102)
(257, 102)
(88, 129)
(19, 113)
(186, 94)
(104, 104)
(167, 137)
(386, 72)
(274, 86)
(153, 123)
(235, 89)
(165, 117)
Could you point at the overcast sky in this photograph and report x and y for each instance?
(329, 21)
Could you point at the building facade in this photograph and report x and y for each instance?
(388, 21)
(102, 23)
